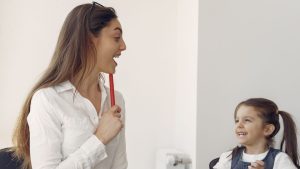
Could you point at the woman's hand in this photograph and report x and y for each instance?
(110, 125)
(257, 165)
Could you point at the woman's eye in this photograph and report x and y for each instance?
(247, 120)
(236, 121)
(117, 38)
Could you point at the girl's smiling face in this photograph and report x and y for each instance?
(249, 126)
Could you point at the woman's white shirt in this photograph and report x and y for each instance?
(62, 124)
(282, 160)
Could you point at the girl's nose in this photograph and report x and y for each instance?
(239, 124)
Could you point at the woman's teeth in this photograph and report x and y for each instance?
(116, 57)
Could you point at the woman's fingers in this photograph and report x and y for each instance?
(117, 115)
(110, 125)
(116, 111)
(116, 108)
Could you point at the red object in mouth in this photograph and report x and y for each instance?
(112, 90)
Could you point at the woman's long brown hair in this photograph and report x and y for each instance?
(74, 53)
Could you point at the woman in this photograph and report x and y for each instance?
(67, 121)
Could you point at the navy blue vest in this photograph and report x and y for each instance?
(238, 163)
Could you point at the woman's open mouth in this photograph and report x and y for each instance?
(116, 57)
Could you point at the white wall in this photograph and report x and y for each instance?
(29, 30)
(28, 35)
(185, 128)
(147, 77)
(246, 49)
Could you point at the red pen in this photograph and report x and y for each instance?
(112, 90)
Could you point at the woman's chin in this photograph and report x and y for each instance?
(109, 71)
(113, 71)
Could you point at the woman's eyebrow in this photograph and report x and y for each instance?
(118, 28)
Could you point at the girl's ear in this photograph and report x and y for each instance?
(269, 129)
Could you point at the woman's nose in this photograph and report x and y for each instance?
(123, 45)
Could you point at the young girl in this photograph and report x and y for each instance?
(256, 124)
(66, 121)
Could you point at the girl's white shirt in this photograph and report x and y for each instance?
(282, 160)
(62, 124)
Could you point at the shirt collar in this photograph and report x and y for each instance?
(65, 86)
(254, 157)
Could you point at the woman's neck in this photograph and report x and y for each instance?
(88, 84)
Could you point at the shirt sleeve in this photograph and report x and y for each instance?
(224, 161)
(120, 159)
(45, 126)
(282, 160)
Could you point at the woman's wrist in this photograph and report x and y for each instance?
(102, 139)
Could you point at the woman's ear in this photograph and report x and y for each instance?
(269, 129)
(95, 40)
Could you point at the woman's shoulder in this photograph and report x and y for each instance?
(46, 97)
(45, 93)
(42, 103)
(119, 94)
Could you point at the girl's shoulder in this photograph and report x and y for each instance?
(226, 155)
(224, 160)
(282, 160)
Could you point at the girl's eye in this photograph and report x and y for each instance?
(117, 38)
(247, 120)
(236, 121)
